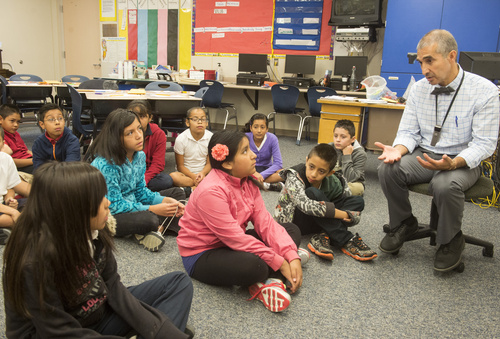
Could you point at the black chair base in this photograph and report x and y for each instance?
(425, 231)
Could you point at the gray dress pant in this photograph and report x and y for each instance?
(446, 187)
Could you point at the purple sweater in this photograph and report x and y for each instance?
(269, 155)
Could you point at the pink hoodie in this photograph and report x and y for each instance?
(217, 215)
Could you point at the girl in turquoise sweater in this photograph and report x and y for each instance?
(119, 156)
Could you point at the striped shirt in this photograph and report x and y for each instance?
(471, 128)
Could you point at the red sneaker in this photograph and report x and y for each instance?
(272, 293)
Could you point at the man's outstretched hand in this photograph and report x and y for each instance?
(444, 164)
(390, 154)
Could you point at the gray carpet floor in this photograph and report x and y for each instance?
(390, 297)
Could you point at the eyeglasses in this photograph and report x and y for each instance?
(51, 120)
(198, 120)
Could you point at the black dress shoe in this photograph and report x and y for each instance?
(395, 239)
(449, 256)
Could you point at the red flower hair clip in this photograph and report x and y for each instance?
(220, 152)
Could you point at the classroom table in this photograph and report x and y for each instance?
(382, 119)
(166, 104)
(255, 100)
(24, 90)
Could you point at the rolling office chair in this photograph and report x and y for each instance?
(481, 189)
(313, 94)
(163, 86)
(84, 132)
(285, 99)
(213, 99)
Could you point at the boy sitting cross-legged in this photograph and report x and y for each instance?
(318, 200)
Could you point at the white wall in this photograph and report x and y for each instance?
(31, 37)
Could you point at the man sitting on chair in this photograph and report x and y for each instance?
(449, 125)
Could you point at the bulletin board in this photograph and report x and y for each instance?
(244, 26)
(233, 26)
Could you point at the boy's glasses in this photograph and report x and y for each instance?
(198, 120)
(51, 120)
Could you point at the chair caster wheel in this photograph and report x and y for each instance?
(386, 228)
(460, 268)
(488, 252)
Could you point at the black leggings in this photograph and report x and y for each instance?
(143, 222)
(226, 267)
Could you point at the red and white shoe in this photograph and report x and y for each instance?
(272, 293)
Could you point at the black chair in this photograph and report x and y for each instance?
(98, 84)
(84, 131)
(313, 94)
(3, 92)
(29, 98)
(213, 99)
(481, 189)
(285, 99)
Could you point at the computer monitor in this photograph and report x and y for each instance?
(485, 64)
(253, 63)
(300, 64)
(343, 65)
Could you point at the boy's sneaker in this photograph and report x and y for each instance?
(152, 241)
(355, 217)
(272, 293)
(304, 256)
(4, 235)
(276, 186)
(320, 245)
(357, 249)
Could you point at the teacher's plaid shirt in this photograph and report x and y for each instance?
(471, 128)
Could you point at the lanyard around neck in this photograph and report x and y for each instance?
(451, 104)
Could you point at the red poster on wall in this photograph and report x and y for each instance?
(233, 26)
(245, 27)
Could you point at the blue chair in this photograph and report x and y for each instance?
(163, 86)
(84, 131)
(26, 77)
(285, 99)
(3, 92)
(63, 98)
(74, 78)
(313, 94)
(199, 94)
(29, 99)
(173, 124)
(213, 99)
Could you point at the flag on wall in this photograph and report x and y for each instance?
(152, 32)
